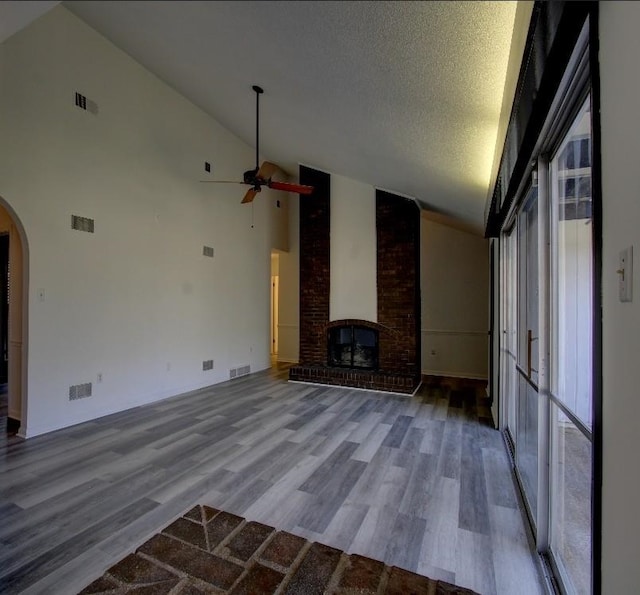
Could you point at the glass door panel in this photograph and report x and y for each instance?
(571, 502)
(508, 338)
(527, 444)
(572, 258)
(527, 366)
(573, 274)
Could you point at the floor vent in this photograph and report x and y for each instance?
(240, 371)
(82, 223)
(207, 365)
(79, 391)
(207, 251)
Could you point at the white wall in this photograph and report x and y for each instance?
(455, 289)
(136, 301)
(279, 218)
(353, 256)
(289, 292)
(620, 96)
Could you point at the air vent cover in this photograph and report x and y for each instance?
(207, 365)
(86, 104)
(207, 251)
(81, 101)
(80, 391)
(239, 371)
(82, 223)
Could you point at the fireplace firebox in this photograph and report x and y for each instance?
(353, 347)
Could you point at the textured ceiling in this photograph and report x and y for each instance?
(14, 15)
(405, 96)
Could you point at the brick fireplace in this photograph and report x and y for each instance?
(397, 329)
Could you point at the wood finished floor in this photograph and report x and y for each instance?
(417, 482)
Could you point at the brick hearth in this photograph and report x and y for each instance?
(210, 551)
(353, 378)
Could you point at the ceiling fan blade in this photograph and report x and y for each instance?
(250, 195)
(267, 169)
(221, 182)
(297, 188)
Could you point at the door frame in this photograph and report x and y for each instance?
(18, 331)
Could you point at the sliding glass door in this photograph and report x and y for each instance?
(547, 350)
(550, 299)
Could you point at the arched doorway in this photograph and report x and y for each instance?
(13, 310)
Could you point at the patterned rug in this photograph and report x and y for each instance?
(210, 551)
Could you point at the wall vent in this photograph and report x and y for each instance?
(82, 223)
(86, 104)
(239, 371)
(207, 251)
(80, 391)
(207, 365)
(81, 101)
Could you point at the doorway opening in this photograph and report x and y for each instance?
(13, 405)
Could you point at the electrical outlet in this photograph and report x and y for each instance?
(99, 377)
(625, 275)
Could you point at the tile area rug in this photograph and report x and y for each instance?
(210, 551)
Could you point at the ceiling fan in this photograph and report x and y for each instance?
(261, 175)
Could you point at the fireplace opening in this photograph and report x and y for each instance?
(353, 347)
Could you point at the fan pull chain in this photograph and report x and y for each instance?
(252, 203)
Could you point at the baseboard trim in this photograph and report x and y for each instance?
(286, 360)
(448, 374)
(366, 390)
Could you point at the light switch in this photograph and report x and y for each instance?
(41, 295)
(625, 275)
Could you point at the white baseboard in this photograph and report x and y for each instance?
(468, 375)
(286, 360)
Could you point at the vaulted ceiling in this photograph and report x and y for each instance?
(405, 96)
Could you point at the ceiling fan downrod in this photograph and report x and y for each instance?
(259, 91)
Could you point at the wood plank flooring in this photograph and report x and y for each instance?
(417, 482)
